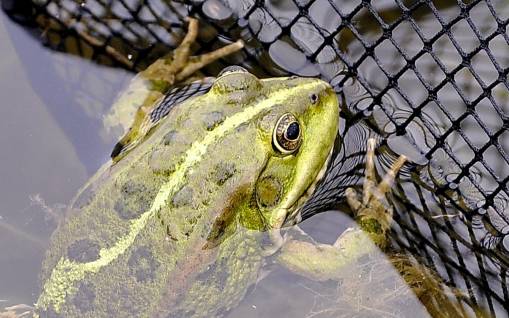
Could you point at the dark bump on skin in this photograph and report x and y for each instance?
(268, 191)
(142, 264)
(84, 298)
(223, 171)
(211, 120)
(132, 308)
(222, 278)
(135, 200)
(123, 211)
(130, 188)
(170, 137)
(216, 274)
(206, 275)
(83, 251)
(183, 197)
(160, 161)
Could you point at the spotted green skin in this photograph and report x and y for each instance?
(176, 228)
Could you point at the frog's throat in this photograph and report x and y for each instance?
(66, 273)
(293, 213)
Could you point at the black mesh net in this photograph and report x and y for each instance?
(428, 79)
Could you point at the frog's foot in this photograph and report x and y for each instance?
(179, 65)
(372, 214)
(323, 261)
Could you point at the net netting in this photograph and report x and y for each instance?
(428, 79)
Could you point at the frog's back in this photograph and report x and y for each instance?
(172, 229)
(144, 265)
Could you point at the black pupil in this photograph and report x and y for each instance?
(292, 132)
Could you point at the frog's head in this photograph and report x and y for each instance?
(296, 132)
(299, 136)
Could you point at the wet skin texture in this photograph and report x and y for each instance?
(175, 228)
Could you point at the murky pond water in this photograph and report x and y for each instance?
(53, 140)
(40, 167)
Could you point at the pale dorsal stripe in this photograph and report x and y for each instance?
(63, 277)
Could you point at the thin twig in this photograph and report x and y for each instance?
(22, 234)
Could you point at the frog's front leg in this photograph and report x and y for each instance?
(153, 83)
(178, 65)
(173, 68)
(324, 261)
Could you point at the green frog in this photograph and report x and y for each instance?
(197, 198)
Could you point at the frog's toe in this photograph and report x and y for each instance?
(183, 65)
(183, 51)
(370, 189)
(369, 173)
(352, 200)
(390, 176)
(373, 208)
(195, 63)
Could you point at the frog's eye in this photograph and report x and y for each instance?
(287, 134)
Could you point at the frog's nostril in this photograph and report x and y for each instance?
(314, 98)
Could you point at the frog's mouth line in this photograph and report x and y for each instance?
(294, 211)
